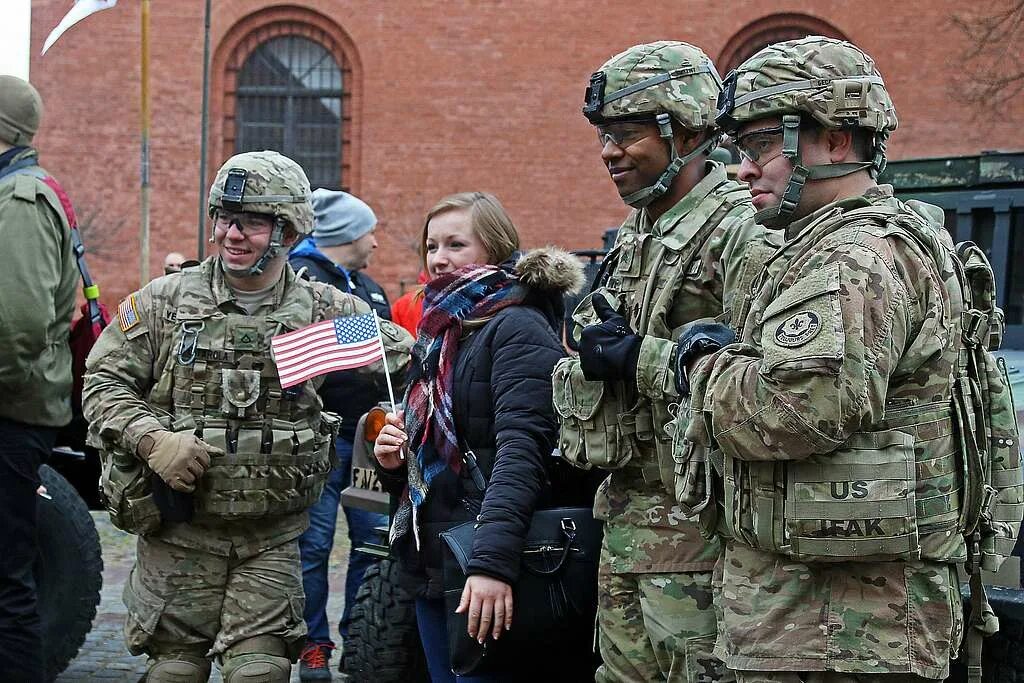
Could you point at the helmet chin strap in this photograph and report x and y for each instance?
(646, 195)
(272, 250)
(781, 215)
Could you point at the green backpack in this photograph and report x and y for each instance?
(989, 442)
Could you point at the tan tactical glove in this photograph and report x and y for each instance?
(180, 458)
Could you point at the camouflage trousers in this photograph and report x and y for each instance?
(657, 627)
(823, 677)
(186, 601)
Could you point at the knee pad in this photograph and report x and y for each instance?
(178, 669)
(256, 668)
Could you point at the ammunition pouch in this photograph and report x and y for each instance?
(596, 429)
(883, 496)
(266, 470)
(127, 493)
(693, 472)
(126, 490)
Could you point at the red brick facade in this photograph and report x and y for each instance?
(441, 96)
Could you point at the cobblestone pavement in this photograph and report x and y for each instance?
(103, 656)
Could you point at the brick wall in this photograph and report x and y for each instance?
(448, 96)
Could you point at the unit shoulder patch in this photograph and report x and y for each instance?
(798, 329)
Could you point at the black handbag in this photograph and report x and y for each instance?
(554, 600)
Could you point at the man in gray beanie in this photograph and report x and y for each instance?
(339, 249)
(342, 244)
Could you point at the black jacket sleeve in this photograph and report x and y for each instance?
(524, 352)
(392, 481)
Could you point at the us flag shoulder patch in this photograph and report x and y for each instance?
(127, 314)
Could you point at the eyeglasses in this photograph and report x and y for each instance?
(247, 223)
(625, 133)
(760, 146)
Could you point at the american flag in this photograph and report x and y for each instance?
(339, 344)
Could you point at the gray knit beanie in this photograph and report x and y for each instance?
(340, 218)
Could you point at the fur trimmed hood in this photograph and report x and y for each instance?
(550, 269)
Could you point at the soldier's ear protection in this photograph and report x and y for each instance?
(234, 189)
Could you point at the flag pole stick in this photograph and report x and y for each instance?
(144, 225)
(384, 359)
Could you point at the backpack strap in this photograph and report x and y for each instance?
(90, 289)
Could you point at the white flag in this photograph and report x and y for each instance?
(81, 10)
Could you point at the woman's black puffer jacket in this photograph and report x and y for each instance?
(503, 413)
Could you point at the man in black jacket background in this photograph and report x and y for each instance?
(340, 248)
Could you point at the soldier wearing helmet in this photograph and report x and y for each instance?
(206, 456)
(836, 477)
(686, 246)
(38, 278)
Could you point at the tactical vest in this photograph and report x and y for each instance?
(221, 383)
(913, 486)
(608, 424)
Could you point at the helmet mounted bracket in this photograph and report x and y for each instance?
(234, 189)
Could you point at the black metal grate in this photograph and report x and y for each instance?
(289, 100)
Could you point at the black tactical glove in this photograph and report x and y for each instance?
(697, 339)
(609, 350)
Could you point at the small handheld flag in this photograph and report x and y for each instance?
(327, 346)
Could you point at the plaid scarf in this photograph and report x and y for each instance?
(470, 293)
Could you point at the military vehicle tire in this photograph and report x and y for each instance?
(383, 645)
(68, 571)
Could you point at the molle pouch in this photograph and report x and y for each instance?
(693, 487)
(239, 391)
(660, 415)
(592, 431)
(1001, 524)
(691, 480)
(856, 504)
(330, 425)
(127, 493)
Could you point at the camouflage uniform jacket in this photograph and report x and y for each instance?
(646, 531)
(855, 325)
(130, 380)
(35, 366)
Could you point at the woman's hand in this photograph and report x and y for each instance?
(389, 448)
(489, 602)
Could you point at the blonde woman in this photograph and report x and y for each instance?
(481, 383)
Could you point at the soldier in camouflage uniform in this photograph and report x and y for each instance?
(837, 472)
(679, 253)
(206, 456)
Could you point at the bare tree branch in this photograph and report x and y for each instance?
(98, 233)
(991, 66)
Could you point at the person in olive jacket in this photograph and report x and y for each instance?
(480, 382)
(38, 281)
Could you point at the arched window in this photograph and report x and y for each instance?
(771, 29)
(288, 78)
(289, 95)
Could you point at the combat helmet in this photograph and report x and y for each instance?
(265, 182)
(661, 81)
(829, 81)
(20, 111)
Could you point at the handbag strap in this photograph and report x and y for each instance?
(479, 480)
(569, 529)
